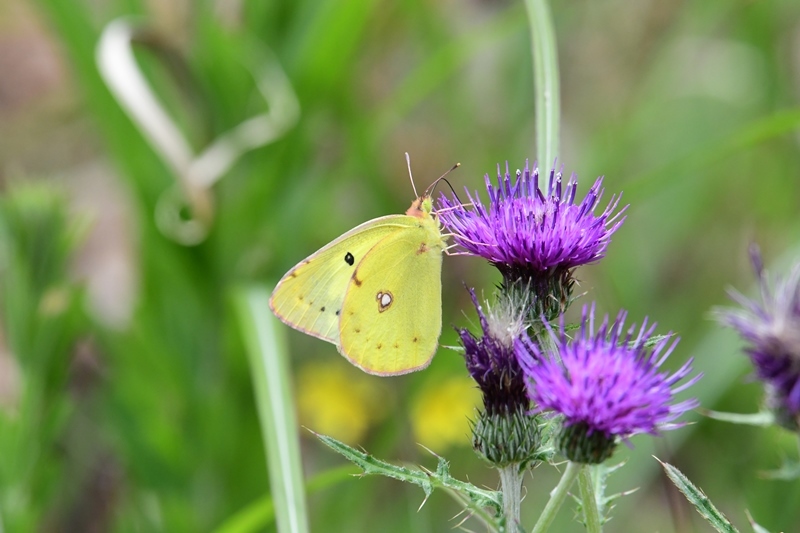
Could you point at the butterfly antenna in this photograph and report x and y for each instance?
(440, 178)
(408, 162)
(452, 189)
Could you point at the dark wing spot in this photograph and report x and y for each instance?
(380, 346)
(357, 330)
(422, 248)
(292, 274)
(322, 309)
(349, 259)
(300, 297)
(414, 339)
(338, 312)
(396, 344)
(357, 281)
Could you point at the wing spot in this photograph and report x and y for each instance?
(396, 345)
(422, 248)
(292, 274)
(322, 309)
(357, 330)
(380, 346)
(414, 339)
(385, 300)
(338, 312)
(300, 297)
(349, 259)
(357, 281)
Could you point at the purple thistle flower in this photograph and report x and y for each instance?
(504, 432)
(772, 330)
(492, 362)
(607, 384)
(531, 234)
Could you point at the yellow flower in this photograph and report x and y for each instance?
(336, 399)
(441, 410)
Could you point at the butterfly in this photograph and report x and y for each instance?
(375, 292)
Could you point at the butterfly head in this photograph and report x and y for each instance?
(421, 207)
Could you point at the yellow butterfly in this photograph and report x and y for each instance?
(375, 292)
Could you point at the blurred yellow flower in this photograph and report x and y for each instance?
(439, 415)
(338, 400)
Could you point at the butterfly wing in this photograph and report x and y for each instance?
(392, 312)
(309, 297)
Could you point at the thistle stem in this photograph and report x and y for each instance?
(557, 497)
(588, 501)
(798, 445)
(511, 485)
(546, 342)
(545, 80)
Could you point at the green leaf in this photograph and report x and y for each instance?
(655, 339)
(457, 349)
(441, 65)
(259, 514)
(271, 379)
(780, 123)
(762, 419)
(697, 498)
(789, 471)
(757, 528)
(471, 497)
(253, 518)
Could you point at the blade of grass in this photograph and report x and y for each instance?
(782, 122)
(441, 65)
(260, 513)
(545, 81)
(271, 380)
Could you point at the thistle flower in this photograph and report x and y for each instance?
(504, 432)
(772, 330)
(535, 237)
(492, 363)
(606, 384)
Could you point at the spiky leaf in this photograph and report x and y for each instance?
(697, 498)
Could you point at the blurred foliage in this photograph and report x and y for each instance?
(45, 362)
(144, 420)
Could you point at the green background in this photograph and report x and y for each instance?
(126, 394)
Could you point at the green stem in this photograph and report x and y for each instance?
(546, 342)
(557, 497)
(545, 81)
(511, 486)
(542, 337)
(588, 501)
(798, 445)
